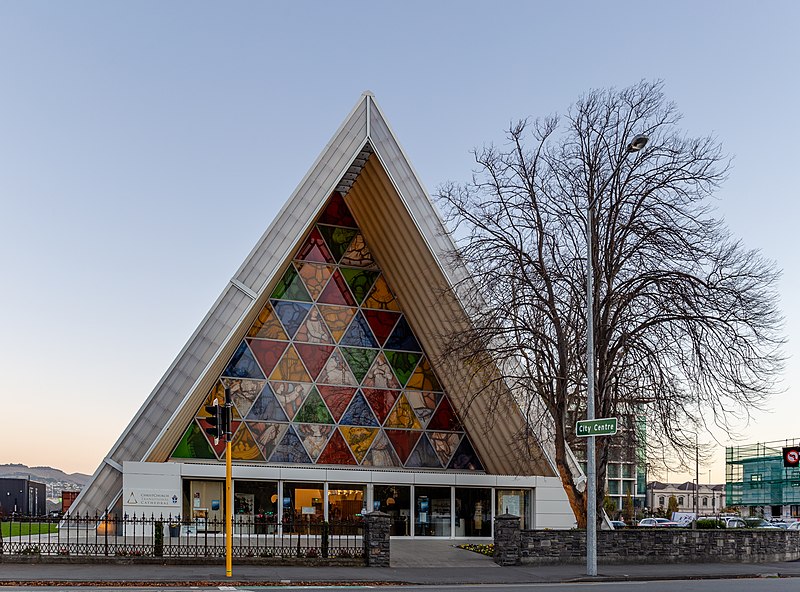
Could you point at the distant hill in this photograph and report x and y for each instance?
(46, 475)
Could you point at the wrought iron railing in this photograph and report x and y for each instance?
(168, 536)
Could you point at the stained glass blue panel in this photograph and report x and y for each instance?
(359, 413)
(359, 333)
(266, 407)
(465, 458)
(291, 314)
(290, 450)
(402, 337)
(243, 364)
(424, 456)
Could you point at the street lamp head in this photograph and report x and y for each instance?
(638, 143)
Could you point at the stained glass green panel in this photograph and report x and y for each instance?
(313, 410)
(291, 287)
(337, 239)
(360, 281)
(193, 444)
(403, 364)
(360, 360)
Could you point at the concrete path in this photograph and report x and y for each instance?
(419, 553)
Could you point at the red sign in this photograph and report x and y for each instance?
(791, 456)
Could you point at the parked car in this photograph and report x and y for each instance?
(760, 523)
(733, 522)
(657, 522)
(617, 524)
(794, 526)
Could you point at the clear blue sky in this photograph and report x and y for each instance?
(145, 147)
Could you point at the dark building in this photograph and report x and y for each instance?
(22, 496)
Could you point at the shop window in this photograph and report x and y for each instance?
(303, 509)
(432, 506)
(345, 502)
(516, 502)
(255, 506)
(203, 504)
(473, 512)
(395, 500)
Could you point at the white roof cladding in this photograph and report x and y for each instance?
(364, 142)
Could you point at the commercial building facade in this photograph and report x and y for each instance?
(23, 497)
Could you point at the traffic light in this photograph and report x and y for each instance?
(216, 419)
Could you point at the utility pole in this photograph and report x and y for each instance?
(228, 487)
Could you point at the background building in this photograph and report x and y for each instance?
(710, 498)
(22, 496)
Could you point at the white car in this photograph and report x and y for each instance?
(794, 526)
(657, 522)
(734, 522)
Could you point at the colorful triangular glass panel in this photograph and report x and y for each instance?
(337, 292)
(381, 401)
(424, 456)
(219, 447)
(314, 329)
(291, 287)
(403, 442)
(267, 352)
(360, 281)
(291, 314)
(266, 407)
(337, 372)
(313, 410)
(267, 325)
(290, 449)
(314, 275)
(381, 454)
(402, 416)
(380, 375)
(403, 364)
(243, 393)
(359, 334)
(193, 444)
(423, 378)
(291, 395)
(358, 254)
(314, 356)
(217, 393)
(337, 398)
(381, 322)
(243, 364)
(402, 337)
(337, 452)
(359, 413)
(243, 446)
(359, 439)
(444, 444)
(424, 404)
(267, 435)
(465, 458)
(314, 438)
(360, 360)
(337, 318)
(337, 239)
(381, 297)
(445, 418)
(336, 212)
(290, 368)
(315, 249)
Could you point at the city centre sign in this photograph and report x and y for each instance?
(596, 427)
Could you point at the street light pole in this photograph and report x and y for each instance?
(636, 144)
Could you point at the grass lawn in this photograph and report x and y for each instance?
(12, 529)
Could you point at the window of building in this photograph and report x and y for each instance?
(473, 512)
(255, 506)
(755, 481)
(516, 502)
(680, 500)
(661, 500)
(345, 502)
(395, 500)
(432, 511)
(302, 506)
(705, 502)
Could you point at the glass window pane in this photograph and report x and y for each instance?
(302, 507)
(473, 512)
(395, 500)
(432, 511)
(515, 502)
(345, 502)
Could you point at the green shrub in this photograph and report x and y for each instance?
(709, 523)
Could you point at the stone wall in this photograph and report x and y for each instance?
(660, 545)
(376, 539)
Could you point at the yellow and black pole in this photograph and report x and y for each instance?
(228, 487)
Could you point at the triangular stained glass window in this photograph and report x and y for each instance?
(219, 447)
(403, 364)
(193, 444)
(444, 444)
(360, 360)
(403, 442)
(359, 413)
(315, 276)
(402, 416)
(266, 407)
(314, 329)
(314, 356)
(267, 352)
(381, 454)
(313, 410)
(290, 449)
(267, 325)
(243, 393)
(424, 404)
(381, 297)
(337, 239)
(381, 322)
(465, 458)
(445, 418)
(337, 398)
(359, 281)
(291, 314)
(380, 375)
(243, 364)
(359, 334)
(217, 393)
(359, 439)
(337, 372)
(315, 249)
(358, 254)
(243, 446)
(337, 452)
(314, 438)
(290, 368)
(291, 287)
(267, 435)
(337, 292)
(381, 401)
(424, 455)
(291, 395)
(336, 212)
(423, 378)
(402, 338)
(337, 318)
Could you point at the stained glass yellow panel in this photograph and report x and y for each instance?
(244, 445)
(315, 276)
(423, 378)
(337, 318)
(381, 297)
(402, 416)
(267, 325)
(359, 439)
(290, 368)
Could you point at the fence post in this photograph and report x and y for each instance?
(506, 539)
(376, 539)
(158, 537)
(324, 542)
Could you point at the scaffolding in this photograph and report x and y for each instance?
(755, 476)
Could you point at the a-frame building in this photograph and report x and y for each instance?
(329, 339)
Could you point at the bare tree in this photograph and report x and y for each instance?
(687, 329)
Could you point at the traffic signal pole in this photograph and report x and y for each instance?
(228, 488)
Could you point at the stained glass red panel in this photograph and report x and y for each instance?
(337, 452)
(337, 213)
(381, 322)
(314, 356)
(267, 353)
(337, 398)
(444, 418)
(315, 249)
(403, 442)
(381, 401)
(337, 292)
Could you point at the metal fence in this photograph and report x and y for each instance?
(171, 537)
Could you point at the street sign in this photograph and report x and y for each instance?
(596, 427)
(791, 456)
